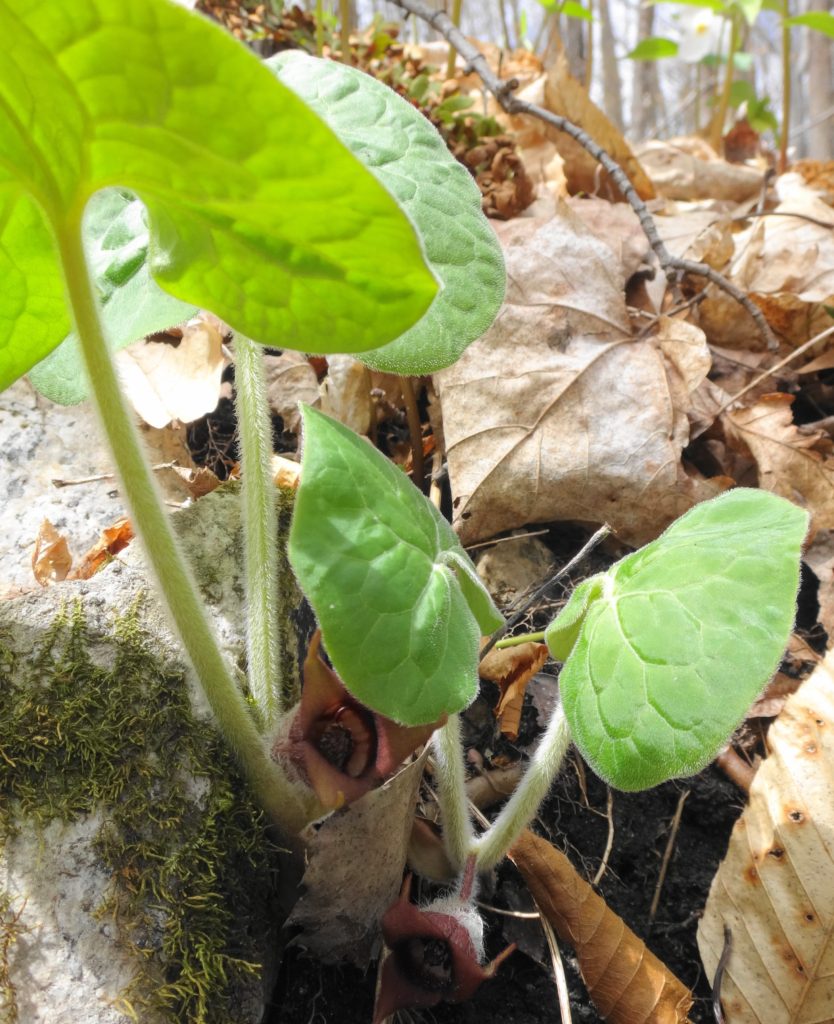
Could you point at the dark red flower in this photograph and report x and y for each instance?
(338, 747)
(434, 954)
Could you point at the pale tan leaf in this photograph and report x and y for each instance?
(51, 559)
(346, 393)
(792, 461)
(565, 96)
(285, 472)
(290, 379)
(525, 437)
(112, 540)
(354, 871)
(775, 887)
(168, 382)
(678, 173)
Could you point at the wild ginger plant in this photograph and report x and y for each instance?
(151, 166)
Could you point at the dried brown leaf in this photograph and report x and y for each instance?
(511, 669)
(775, 887)
(792, 461)
(181, 381)
(354, 871)
(526, 435)
(626, 981)
(679, 173)
(51, 559)
(565, 96)
(112, 540)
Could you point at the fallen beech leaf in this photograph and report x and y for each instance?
(346, 394)
(792, 461)
(775, 887)
(626, 982)
(525, 441)
(285, 472)
(198, 480)
(773, 699)
(112, 540)
(174, 382)
(290, 379)
(565, 96)
(354, 871)
(679, 174)
(511, 669)
(51, 559)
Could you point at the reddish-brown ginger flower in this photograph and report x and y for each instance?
(337, 746)
(434, 954)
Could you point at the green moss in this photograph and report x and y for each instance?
(97, 724)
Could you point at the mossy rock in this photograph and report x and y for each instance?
(136, 873)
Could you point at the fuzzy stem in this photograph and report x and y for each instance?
(260, 529)
(165, 560)
(522, 638)
(458, 836)
(524, 804)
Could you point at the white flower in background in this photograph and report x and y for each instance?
(700, 34)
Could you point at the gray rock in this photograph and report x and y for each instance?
(121, 811)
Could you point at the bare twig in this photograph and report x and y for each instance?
(775, 369)
(609, 842)
(415, 432)
(719, 975)
(667, 855)
(539, 593)
(674, 267)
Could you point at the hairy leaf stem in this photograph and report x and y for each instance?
(165, 559)
(260, 528)
(458, 835)
(524, 804)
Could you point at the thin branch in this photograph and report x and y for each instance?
(674, 267)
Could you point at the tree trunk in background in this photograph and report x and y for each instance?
(646, 101)
(575, 45)
(820, 91)
(611, 85)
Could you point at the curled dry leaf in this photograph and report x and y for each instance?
(565, 96)
(626, 982)
(511, 669)
(112, 540)
(290, 379)
(775, 888)
(792, 461)
(355, 862)
(51, 559)
(525, 440)
(346, 393)
(181, 381)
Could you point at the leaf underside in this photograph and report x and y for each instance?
(407, 155)
(257, 212)
(372, 556)
(679, 638)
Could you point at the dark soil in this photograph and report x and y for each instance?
(524, 990)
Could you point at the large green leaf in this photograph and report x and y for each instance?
(256, 210)
(819, 21)
(655, 48)
(411, 160)
(666, 651)
(132, 305)
(400, 607)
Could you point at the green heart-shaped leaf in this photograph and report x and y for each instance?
(400, 607)
(132, 305)
(256, 210)
(666, 651)
(410, 159)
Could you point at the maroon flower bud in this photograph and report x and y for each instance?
(434, 954)
(336, 745)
